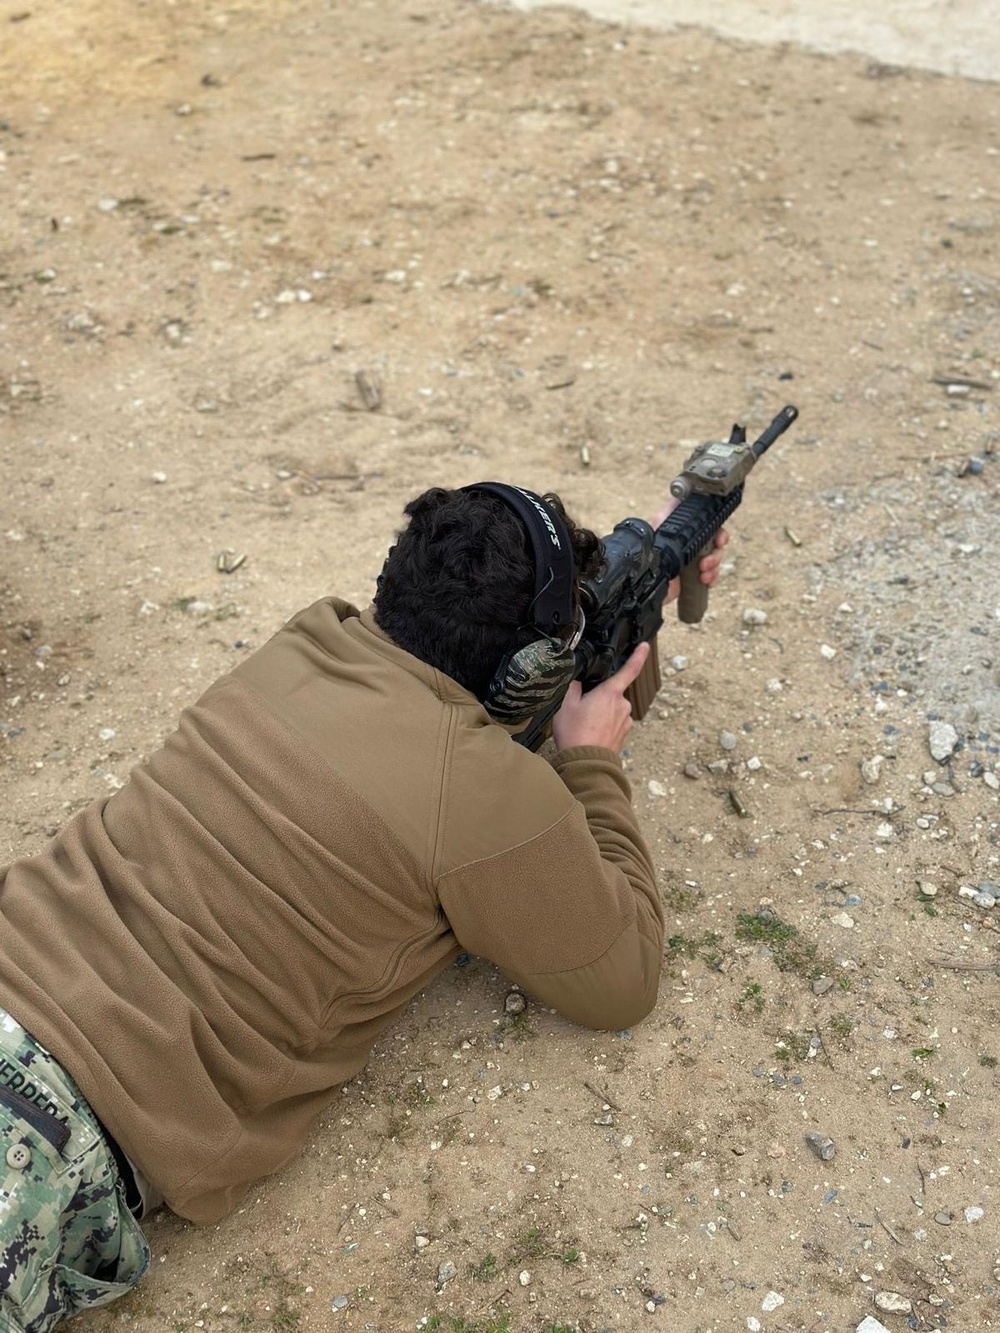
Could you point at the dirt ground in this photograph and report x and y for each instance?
(564, 251)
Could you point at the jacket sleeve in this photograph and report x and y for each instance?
(572, 914)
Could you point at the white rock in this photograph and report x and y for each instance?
(754, 763)
(942, 739)
(842, 919)
(754, 616)
(992, 780)
(871, 1325)
(872, 768)
(826, 651)
(974, 1214)
(754, 1324)
(771, 1302)
(656, 788)
(893, 1302)
(679, 663)
(524, 1277)
(884, 831)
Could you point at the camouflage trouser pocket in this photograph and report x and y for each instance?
(67, 1240)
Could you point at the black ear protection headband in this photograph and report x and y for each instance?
(527, 678)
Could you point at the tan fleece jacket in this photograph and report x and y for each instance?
(212, 950)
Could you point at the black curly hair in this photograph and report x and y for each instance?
(457, 587)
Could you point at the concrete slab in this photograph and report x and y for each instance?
(959, 37)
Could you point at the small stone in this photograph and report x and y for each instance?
(984, 900)
(943, 1219)
(656, 788)
(524, 1277)
(821, 985)
(421, 1243)
(159, 477)
(884, 830)
(691, 769)
(975, 1213)
(727, 740)
(515, 1003)
(754, 616)
(754, 764)
(679, 663)
(893, 1302)
(941, 740)
(446, 1272)
(871, 1325)
(340, 1302)
(754, 1324)
(771, 1302)
(651, 1307)
(928, 889)
(992, 781)
(823, 1146)
(871, 769)
(826, 651)
(843, 919)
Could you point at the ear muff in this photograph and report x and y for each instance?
(528, 677)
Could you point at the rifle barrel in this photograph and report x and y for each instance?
(777, 427)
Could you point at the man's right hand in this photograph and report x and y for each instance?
(602, 716)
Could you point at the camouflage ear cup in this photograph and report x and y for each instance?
(526, 681)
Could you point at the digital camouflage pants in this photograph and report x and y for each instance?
(67, 1239)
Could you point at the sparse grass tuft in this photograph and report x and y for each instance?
(790, 952)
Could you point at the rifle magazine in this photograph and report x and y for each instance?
(646, 686)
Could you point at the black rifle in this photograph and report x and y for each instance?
(623, 605)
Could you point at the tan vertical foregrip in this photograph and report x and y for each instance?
(693, 601)
(646, 685)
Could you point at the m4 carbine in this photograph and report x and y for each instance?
(623, 605)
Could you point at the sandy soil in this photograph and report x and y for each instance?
(540, 233)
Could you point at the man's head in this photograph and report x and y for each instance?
(458, 587)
